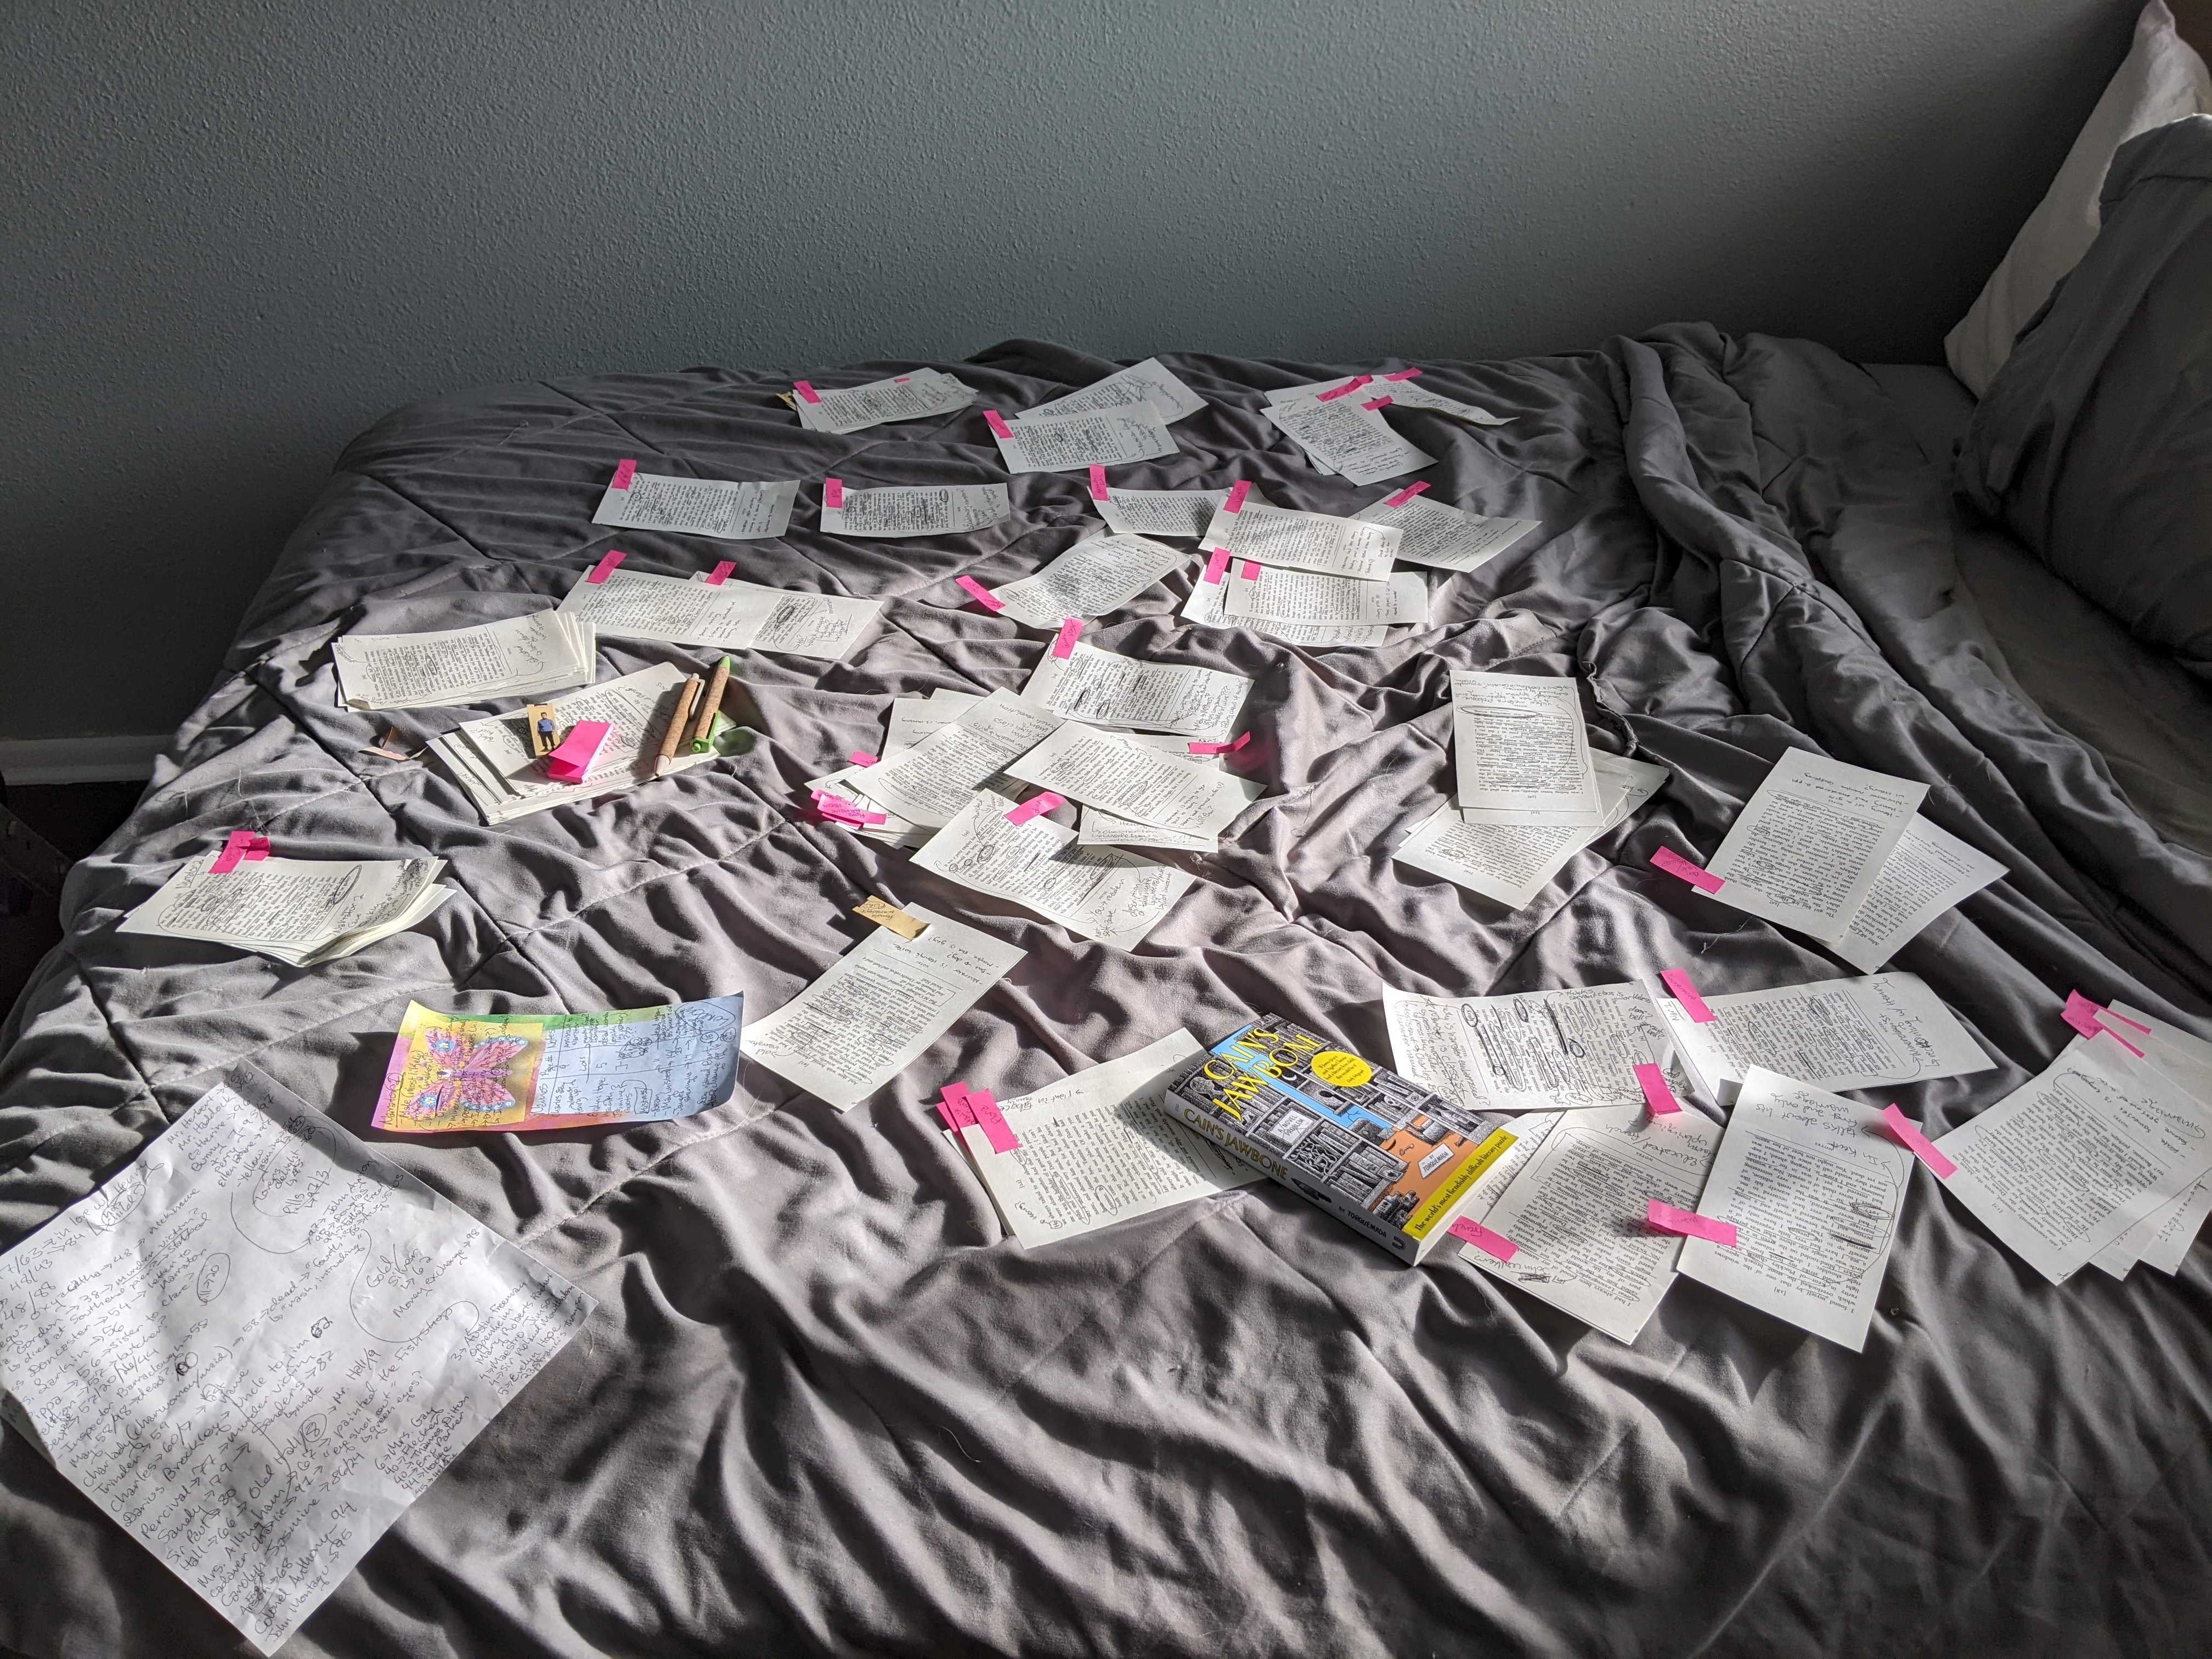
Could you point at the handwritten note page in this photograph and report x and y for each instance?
(700, 506)
(1093, 577)
(300, 911)
(1273, 594)
(255, 1346)
(1103, 688)
(732, 616)
(1513, 863)
(1808, 844)
(934, 781)
(2080, 1154)
(492, 760)
(1170, 512)
(1533, 1051)
(1204, 607)
(1319, 542)
(1521, 751)
(513, 1072)
(2162, 1239)
(888, 513)
(1098, 1147)
(1928, 871)
(1444, 537)
(1102, 893)
(521, 657)
(917, 395)
(878, 1006)
(1351, 440)
(1579, 1212)
(1069, 443)
(1815, 1186)
(1148, 382)
(1167, 791)
(1872, 1033)
(1100, 828)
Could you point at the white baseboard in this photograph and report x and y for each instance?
(80, 760)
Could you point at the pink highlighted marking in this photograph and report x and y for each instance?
(993, 1121)
(1218, 566)
(997, 422)
(604, 568)
(1237, 492)
(572, 761)
(862, 757)
(1036, 806)
(1406, 493)
(806, 389)
(833, 492)
(1064, 645)
(1377, 403)
(1656, 1094)
(952, 1102)
(1098, 482)
(1242, 738)
(1403, 374)
(1923, 1148)
(1688, 1222)
(1677, 979)
(1347, 389)
(1474, 1233)
(982, 595)
(1674, 864)
(720, 573)
(623, 474)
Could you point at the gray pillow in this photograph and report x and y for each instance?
(2094, 444)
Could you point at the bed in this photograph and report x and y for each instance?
(825, 1406)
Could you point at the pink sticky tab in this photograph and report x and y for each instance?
(623, 474)
(997, 422)
(1347, 389)
(982, 595)
(1406, 493)
(2104, 1014)
(1688, 1222)
(993, 1121)
(1036, 806)
(1377, 403)
(1218, 566)
(1237, 492)
(1474, 1233)
(720, 573)
(570, 761)
(952, 1100)
(1242, 738)
(1064, 644)
(1251, 571)
(806, 389)
(1674, 864)
(833, 492)
(1403, 374)
(258, 850)
(862, 757)
(1922, 1148)
(1677, 979)
(2088, 1018)
(605, 567)
(239, 844)
(1656, 1094)
(1098, 482)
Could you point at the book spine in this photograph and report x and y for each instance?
(1201, 1121)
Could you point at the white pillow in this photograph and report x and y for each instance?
(2162, 80)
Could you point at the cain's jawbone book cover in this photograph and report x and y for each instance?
(1381, 1154)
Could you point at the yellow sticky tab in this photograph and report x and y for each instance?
(890, 916)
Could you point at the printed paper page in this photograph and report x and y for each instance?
(1928, 871)
(1512, 863)
(1444, 537)
(1094, 578)
(255, 1346)
(1165, 790)
(1101, 892)
(918, 395)
(1103, 688)
(2066, 1163)
(1535, 1051)
(2163, 1237)
(1302, 596)
(1099, 1148)
(1872, 1033)
(1352, 439)
(1578, 1210)
(934, 781)
(1069, 443)
(1171, 513)
(1204, 607)
(877, 1008)
(1807, 847)
(732, 616)
(1814, 1185)
(1148, 382)
(294, 909)
(1521, 752)
(922, 510)
(1095, 827)
(1411, 394)
(700, 506)
(514, 1072)
(523, 656)
(1318, 542)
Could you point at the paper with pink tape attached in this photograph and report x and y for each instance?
(833, 492)
(604, 568)
(993, 1121)
(722, 573)
(982, 595)
(805, 389)
(862, 757)
(1677, 979)
(1063, 644)
(1406, 493)
(1098, 482)
(1242, 738)
(1918, 1144)
(1674, 864)
(572, 760)
(1688, 1222)
(1346, 390)
(1237, 492)
(1218, 566)
(1474, 1233)
(997, 422)
(953, 1105)
(623, 473)
(1658, 1096)
(1035, 807)
(2088, 1018)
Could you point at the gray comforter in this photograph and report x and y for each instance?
(825, 1406)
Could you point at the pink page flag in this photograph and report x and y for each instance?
(1237, 492)
(1242, 738)
(1064, 644)
(2088, 1018)
(993, 1121)
(1688, 1222)
(1921, 1147)
(1406, 493)
(1677, 979)
(952, 1104)
(1474, 1233)
(623, 474)
(722, 573)
(1403, 374)
(1098, 482)
(997, 422)
(1674, 864)
(240, 844)
(1218, 566)
(604, 568)
(1350, 385)
(982, 595)
(1034, 805)
(1656, 1094)
(833, 492)
(806, 389)
(862, 757)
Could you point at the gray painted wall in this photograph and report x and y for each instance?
(236, 232)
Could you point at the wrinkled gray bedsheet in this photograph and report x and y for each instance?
(826, 1407)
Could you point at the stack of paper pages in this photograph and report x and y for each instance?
(914, 396)
(729, 615)
(1343, 431)
(302, 911)
(522, 657)
(492, 759)
(1304, 578)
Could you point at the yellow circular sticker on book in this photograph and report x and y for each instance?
(1345, 1071)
